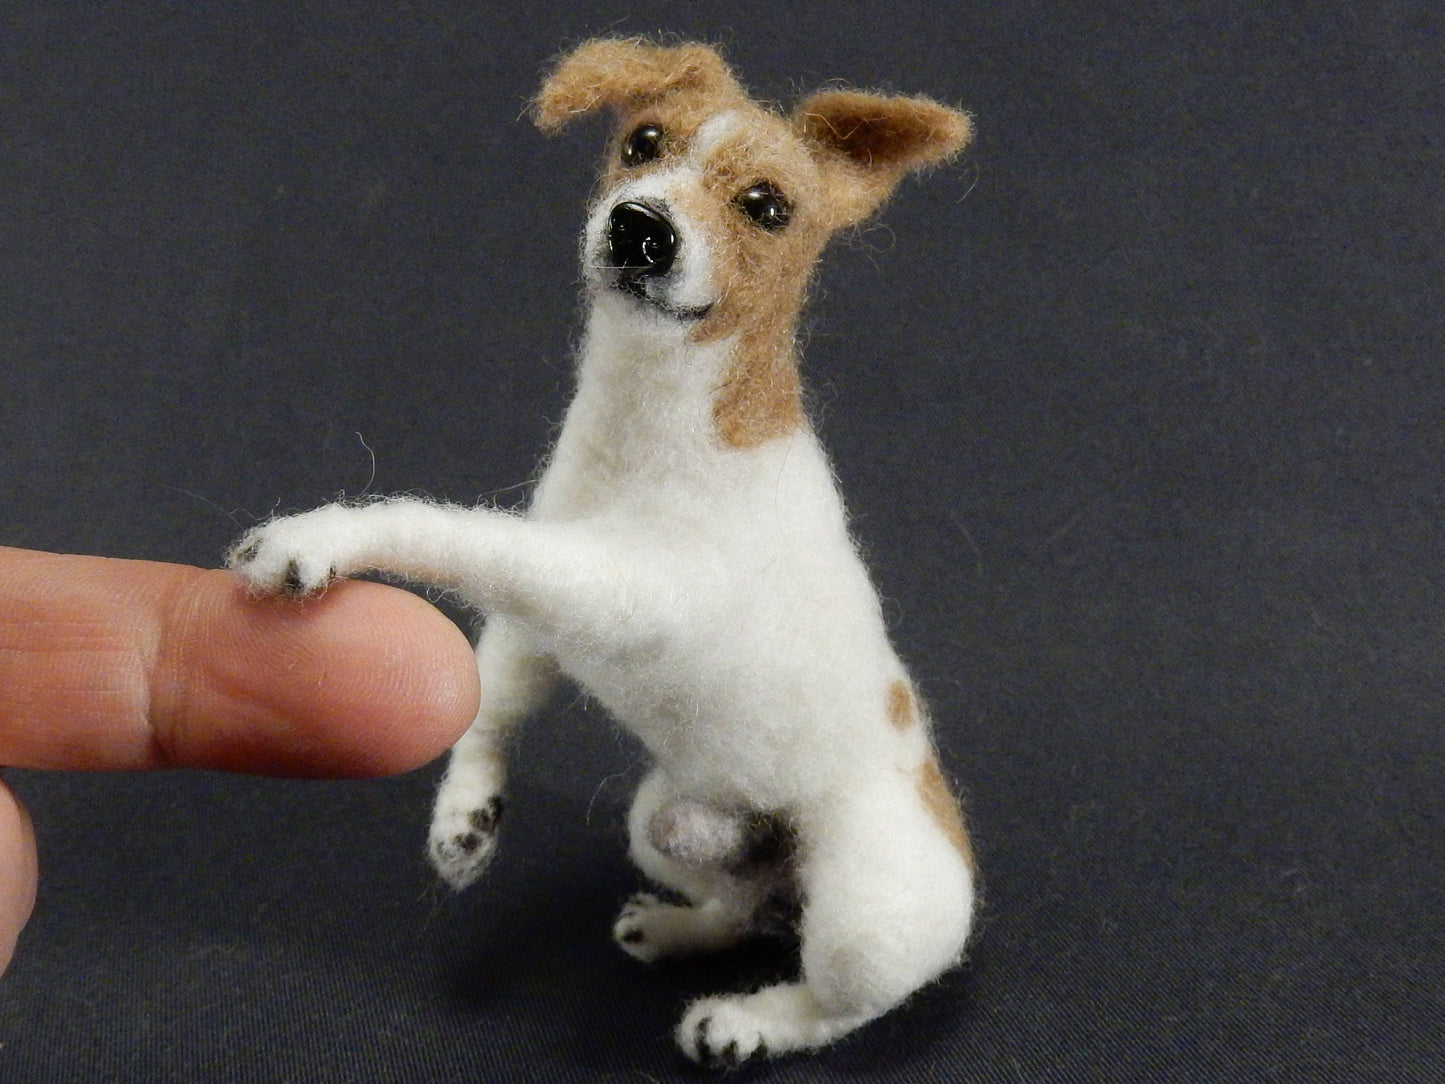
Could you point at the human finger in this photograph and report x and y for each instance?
(111, 664)
(17, 872)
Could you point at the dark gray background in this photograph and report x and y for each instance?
(1138, 409)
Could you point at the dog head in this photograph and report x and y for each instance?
(713, 209)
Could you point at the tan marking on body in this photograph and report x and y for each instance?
(900, 706)
(943, 807)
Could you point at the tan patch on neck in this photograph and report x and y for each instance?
(901, 712)
(761, 399)
(943, 807)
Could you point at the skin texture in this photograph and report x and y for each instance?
(129, 665)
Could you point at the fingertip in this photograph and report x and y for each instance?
(19, 872)
(363, 680)
(110, 664)
(403, 676)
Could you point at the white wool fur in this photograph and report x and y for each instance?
(711, 598)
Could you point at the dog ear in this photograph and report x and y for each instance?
(623, 74)
(865, 144)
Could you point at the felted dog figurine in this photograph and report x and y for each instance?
(685, 559)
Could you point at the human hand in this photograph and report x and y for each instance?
(127, 665)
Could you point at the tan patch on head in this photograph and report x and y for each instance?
(679, 114)
(866, 143)
(761, 277)
(901, 712)
(835, 160)
(622, 74)
(943, 807)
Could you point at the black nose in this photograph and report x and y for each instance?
(640, 240)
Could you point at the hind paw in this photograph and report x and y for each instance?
(725, 1032)
(717, 1036)
(639, 926)
(650, 929)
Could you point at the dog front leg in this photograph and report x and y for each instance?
(568, 583)
(516, 679)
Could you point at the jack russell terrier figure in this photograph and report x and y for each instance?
(686, 561)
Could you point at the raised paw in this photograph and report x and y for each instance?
(462, 841)
(276, 559)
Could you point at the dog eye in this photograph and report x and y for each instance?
(642, 146)
(766, 206)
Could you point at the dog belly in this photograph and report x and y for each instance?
(767, 745)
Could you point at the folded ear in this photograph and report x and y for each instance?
(865, 143)
(623, 74)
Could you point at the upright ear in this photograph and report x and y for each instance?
(623, 74)
(865, 143)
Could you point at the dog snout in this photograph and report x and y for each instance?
(640, 241)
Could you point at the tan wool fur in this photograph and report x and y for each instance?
(686, 561)
(900, 706)
(943, 807)
(612, 73)
(854, 148)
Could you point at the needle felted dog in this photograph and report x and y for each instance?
(686, 560)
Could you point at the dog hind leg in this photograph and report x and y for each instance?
(699, 852)
(888, 905)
